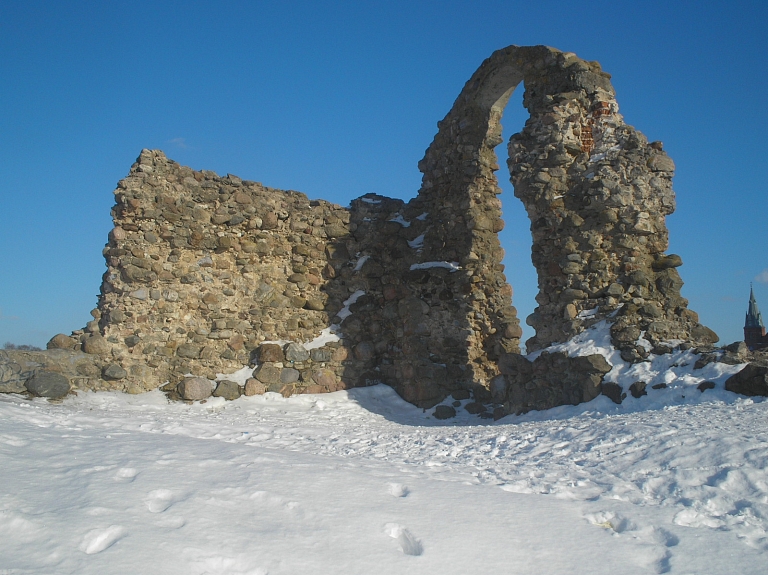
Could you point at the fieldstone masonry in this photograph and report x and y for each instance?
(595, 190)
(206, 274)
(202, 270)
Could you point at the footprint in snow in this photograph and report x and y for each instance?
(398, 490)
(217, 564)
(655, 540)
(610, 520)
(160, 499)
(405, 539)
(658, 541)
(690, 517)
(126, 474)
(13, 441)
(97, 540)
(171, 522)
(658, 535)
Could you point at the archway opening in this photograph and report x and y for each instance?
(516, 238)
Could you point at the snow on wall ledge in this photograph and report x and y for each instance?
(207, 274)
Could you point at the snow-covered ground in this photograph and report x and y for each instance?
(360, 482)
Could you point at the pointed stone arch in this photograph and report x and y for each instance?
(596, 192)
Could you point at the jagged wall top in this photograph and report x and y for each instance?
(204, 270)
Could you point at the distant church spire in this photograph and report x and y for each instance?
(754, 329)
(754, 318)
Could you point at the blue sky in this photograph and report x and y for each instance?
(337, 99)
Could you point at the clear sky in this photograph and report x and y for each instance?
(337, 99)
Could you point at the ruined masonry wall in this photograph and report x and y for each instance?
(596, 192)
(207, 274)
(204, 271)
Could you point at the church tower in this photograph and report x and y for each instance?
(754, 330)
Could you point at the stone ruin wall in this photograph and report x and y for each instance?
(597, 194)
(595, 190)
(205, 271)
